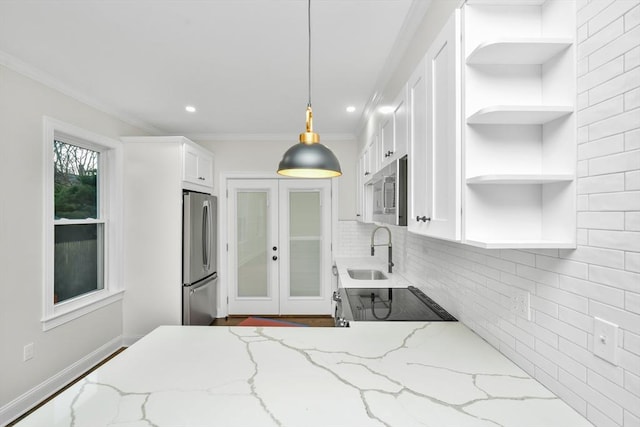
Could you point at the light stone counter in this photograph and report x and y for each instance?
(372, 374)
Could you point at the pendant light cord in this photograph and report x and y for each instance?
(309, 50)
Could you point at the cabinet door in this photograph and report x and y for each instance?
(435, 140)
(387, 139)
(197, 166)
(419, 193)
(400, 125)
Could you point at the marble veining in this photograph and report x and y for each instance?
(372, 374)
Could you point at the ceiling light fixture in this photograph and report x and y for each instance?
(190, 109)
(309, 158)
(351, 109)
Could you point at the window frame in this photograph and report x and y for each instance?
(109, 214)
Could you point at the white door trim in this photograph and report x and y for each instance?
(223, 238)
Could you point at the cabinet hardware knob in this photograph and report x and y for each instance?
(275, 258)
(422, 218)
(275, 248)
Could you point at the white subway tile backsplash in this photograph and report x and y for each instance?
(632, 261)
(632, 59)
(624, 319)
(632, 140)
(600, 220)
(632, 301)
(569, 268)
(594, 291)
(601, 183)
(590, 10)
(605, 405)
(610, 145)
(600, 75)
(617, 393)
(632, 180)
(620, 162)
(632, 342)
(563, 298)
(623, 240)
(623, 201)
(632, 17)
(614, 87)
(632, 383)
(632, 221)
(617, 278)
(600, 419)
(564, 330)
(632, 99)
(631, 420)
(615, 48)
(609, 14)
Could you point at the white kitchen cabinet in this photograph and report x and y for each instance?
(435, 138)
(394, 130)
(519, 131)
(197, 166)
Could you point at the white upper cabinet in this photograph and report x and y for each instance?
(435, 138)
(519, 135)
(394, 130)
(197, 167)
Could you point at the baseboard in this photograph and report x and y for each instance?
(37, 394)
(128, 341)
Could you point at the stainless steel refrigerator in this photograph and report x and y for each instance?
(199, 255)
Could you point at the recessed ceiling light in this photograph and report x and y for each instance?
(386, 109)
(190, 109)
(351, 109)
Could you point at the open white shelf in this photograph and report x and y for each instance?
(520, 179)
(517, 51)
(519, 114)
(521, 244)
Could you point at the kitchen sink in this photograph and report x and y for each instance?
(366, 274)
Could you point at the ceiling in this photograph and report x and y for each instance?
(241, 63)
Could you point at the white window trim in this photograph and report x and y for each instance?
(111, 152)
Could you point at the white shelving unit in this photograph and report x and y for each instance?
(520, 132)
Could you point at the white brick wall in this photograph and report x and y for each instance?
(568, 287)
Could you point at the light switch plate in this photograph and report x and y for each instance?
(605, 340)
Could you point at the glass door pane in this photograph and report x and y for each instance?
(253, 251)
(251, 221)
(305, 237)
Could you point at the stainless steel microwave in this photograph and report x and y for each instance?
(390, 193)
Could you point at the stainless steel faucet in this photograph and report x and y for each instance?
(388, 244)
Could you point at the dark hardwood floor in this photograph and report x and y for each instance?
(315, 321)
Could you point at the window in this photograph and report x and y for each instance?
(82, 222)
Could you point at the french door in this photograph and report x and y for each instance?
(279, 246)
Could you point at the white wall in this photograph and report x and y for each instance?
(23, 102)
(568, 287)
(264, 156)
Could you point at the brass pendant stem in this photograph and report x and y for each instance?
(309, 137)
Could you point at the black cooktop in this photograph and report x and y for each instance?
(389, 304)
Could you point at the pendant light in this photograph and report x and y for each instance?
(309, 158)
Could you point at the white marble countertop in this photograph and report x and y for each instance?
(394, 280)
(372, 374)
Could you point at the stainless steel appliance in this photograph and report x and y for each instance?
(390, 193)
(386, 304)
(199, 255)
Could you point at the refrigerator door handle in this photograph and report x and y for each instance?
(206, 235)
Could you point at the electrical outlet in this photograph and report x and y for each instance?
(521, 303)
(605, 340)
(27, 352)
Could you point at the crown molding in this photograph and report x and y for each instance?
(46, 79)
(415, 16)
(270, 137)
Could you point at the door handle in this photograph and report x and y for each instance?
(275, 258)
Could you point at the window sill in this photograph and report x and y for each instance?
(79, 307)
